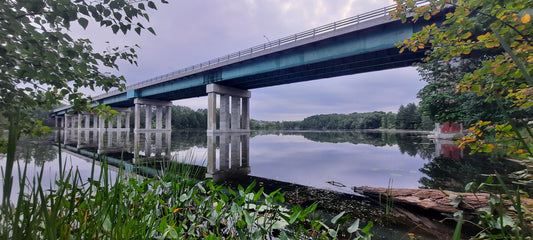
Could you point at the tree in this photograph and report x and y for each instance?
(504, 26)
(41, 64)
(483, 25)
(408, 117)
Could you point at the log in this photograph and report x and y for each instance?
(428, 199)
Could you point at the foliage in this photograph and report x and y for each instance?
(368, 120)
(408, 117)
(504, 28)
(505, 217)
(42, 64)
(482, 25)
(186, 118)
(440, 100)
(172, 207)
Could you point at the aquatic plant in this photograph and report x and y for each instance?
(175, 205)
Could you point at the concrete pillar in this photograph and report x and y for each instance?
(237, 95)
(211, 155)
(55, 118)
(168, 137)
(87, 121)
(101, 145)
(245, 150)
(95, 121)
(148, 121)
(235, 151)
(169, 119)
(66, 121)
(245, 114)
(158, 144)
(137, 120)
(119, 120)
(148, 144)
(224, 113)
(235, 113)
(101, 122)
(79, 121)
(128, 116)
(136, 139)
(224, 151)
(109, 137)
(159, 118)
(211, 111)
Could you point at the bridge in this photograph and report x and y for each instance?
(359, 44)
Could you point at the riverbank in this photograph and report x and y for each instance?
(398, 223)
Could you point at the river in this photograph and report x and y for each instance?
(329, 160)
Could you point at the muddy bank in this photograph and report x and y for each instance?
(397, 223)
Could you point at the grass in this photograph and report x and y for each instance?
(173, 206)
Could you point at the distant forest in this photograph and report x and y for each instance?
(408, 117)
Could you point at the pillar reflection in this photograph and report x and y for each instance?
(233, 155)
(150, 146)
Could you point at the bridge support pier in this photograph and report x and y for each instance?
(236, 120)
(163, 110)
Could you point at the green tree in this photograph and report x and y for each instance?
(502, 26)
(41, 64)
(506, 76)
(408, 117)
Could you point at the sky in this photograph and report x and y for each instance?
(190, 32)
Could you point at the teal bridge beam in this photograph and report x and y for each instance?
(359, 44)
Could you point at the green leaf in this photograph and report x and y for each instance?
(258, 194)
(117, 15)
(83, 22)
(368, 227)
(115, 28)
(336, 218)
(151, 5)
(151, 30)
(354, 227)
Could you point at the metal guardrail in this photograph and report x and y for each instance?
(267, 46)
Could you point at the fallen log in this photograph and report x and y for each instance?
(428, 199)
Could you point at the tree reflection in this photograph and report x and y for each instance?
(454, 174)
(38, 151)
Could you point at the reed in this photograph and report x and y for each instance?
(175, 205)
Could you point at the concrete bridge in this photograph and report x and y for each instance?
(359, 44)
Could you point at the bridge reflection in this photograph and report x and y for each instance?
(228, 154)
(233, 155)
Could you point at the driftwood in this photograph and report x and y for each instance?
(428, 199)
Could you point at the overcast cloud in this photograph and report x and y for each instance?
(190, 32)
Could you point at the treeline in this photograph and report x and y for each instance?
(408, 117)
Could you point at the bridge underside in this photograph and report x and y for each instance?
(362, 63)
(365, 50)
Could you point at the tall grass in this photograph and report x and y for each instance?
(174, 206)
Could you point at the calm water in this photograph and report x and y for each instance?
(328, 160)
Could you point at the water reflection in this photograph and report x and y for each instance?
(410, 160)
(152, 146)
(233, 155)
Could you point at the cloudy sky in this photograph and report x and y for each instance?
(190, 32)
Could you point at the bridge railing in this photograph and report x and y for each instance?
(334, 26)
